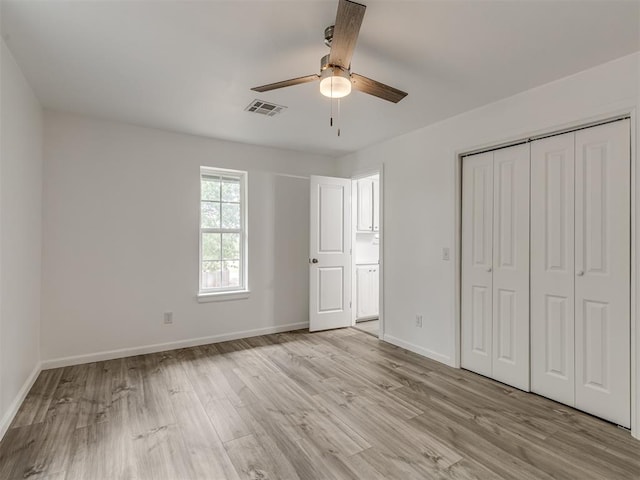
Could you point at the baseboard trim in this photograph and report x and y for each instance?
(17, 402)
(425, 352)
(161, 347)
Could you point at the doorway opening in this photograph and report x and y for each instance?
(366, 228)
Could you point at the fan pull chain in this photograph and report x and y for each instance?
(338, 117)
(338, 112)
(331, 100)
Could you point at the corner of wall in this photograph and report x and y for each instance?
(21, 161)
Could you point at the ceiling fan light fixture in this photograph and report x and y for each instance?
(335, 82)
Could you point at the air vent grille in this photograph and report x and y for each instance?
(265, 108)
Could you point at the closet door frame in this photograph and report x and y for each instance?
(597, 117)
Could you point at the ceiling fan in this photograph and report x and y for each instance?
(336, 79)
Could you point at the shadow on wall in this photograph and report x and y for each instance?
(291, 252)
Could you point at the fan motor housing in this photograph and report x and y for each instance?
(328, 35)
(324, 64)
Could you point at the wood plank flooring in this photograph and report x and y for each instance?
(331, 405)
(372, 327)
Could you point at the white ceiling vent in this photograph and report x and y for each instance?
(264, 108)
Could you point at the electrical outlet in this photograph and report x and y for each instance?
(445, 253)
(419, 321)
(168, 318)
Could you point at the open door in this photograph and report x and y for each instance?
(330, 253)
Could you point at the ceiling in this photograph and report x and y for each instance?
(188, 66)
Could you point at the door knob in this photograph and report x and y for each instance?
(314, 260)
(580, 273)
(489, 269)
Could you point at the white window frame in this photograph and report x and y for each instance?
(225, 293)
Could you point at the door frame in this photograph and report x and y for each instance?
(354, 207)
(632, 113)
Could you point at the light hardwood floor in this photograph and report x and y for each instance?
(371, 327)
(332, 405)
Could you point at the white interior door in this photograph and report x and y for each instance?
(477, 262)
(511, 266)
(602, 264)
(552, 268)
(330, 253)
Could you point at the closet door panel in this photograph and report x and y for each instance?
(511, 266)
(552, 268)
(602, 264)
(477, 262)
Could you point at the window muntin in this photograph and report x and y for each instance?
(222, 230)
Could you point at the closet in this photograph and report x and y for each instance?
(563, 292)
(495, 265)
(581, 270)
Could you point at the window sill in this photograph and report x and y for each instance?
(223, 296)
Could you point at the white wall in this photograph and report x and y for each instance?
(20, 236)
(121, 237)
(420, 191)
(367, 247)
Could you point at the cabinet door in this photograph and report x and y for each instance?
(365, 206)
(602, 264)
(477, 261)
(552, 257)
(511, 266)
(363, 291)
(375, 185)
(375, 294)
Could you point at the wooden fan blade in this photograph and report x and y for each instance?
(377, 89)
(345, 32)
(286, 83)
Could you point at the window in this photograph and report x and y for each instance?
(223, 232)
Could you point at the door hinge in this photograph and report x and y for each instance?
(349, 304)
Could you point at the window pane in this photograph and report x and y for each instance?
(230, 246)
(211, 246)
(210, 188)
(230, 190)
(231, 274)
(211, 274)
(230, 215)
(210, 216)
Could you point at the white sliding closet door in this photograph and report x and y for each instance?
(511, 266)
(477, 262)
(602, 263)
(552, 269)
(495, 265)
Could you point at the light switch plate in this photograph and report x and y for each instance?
(445, 253)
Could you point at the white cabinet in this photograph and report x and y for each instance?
(366, 291)
(368, 205)
(376, 203)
